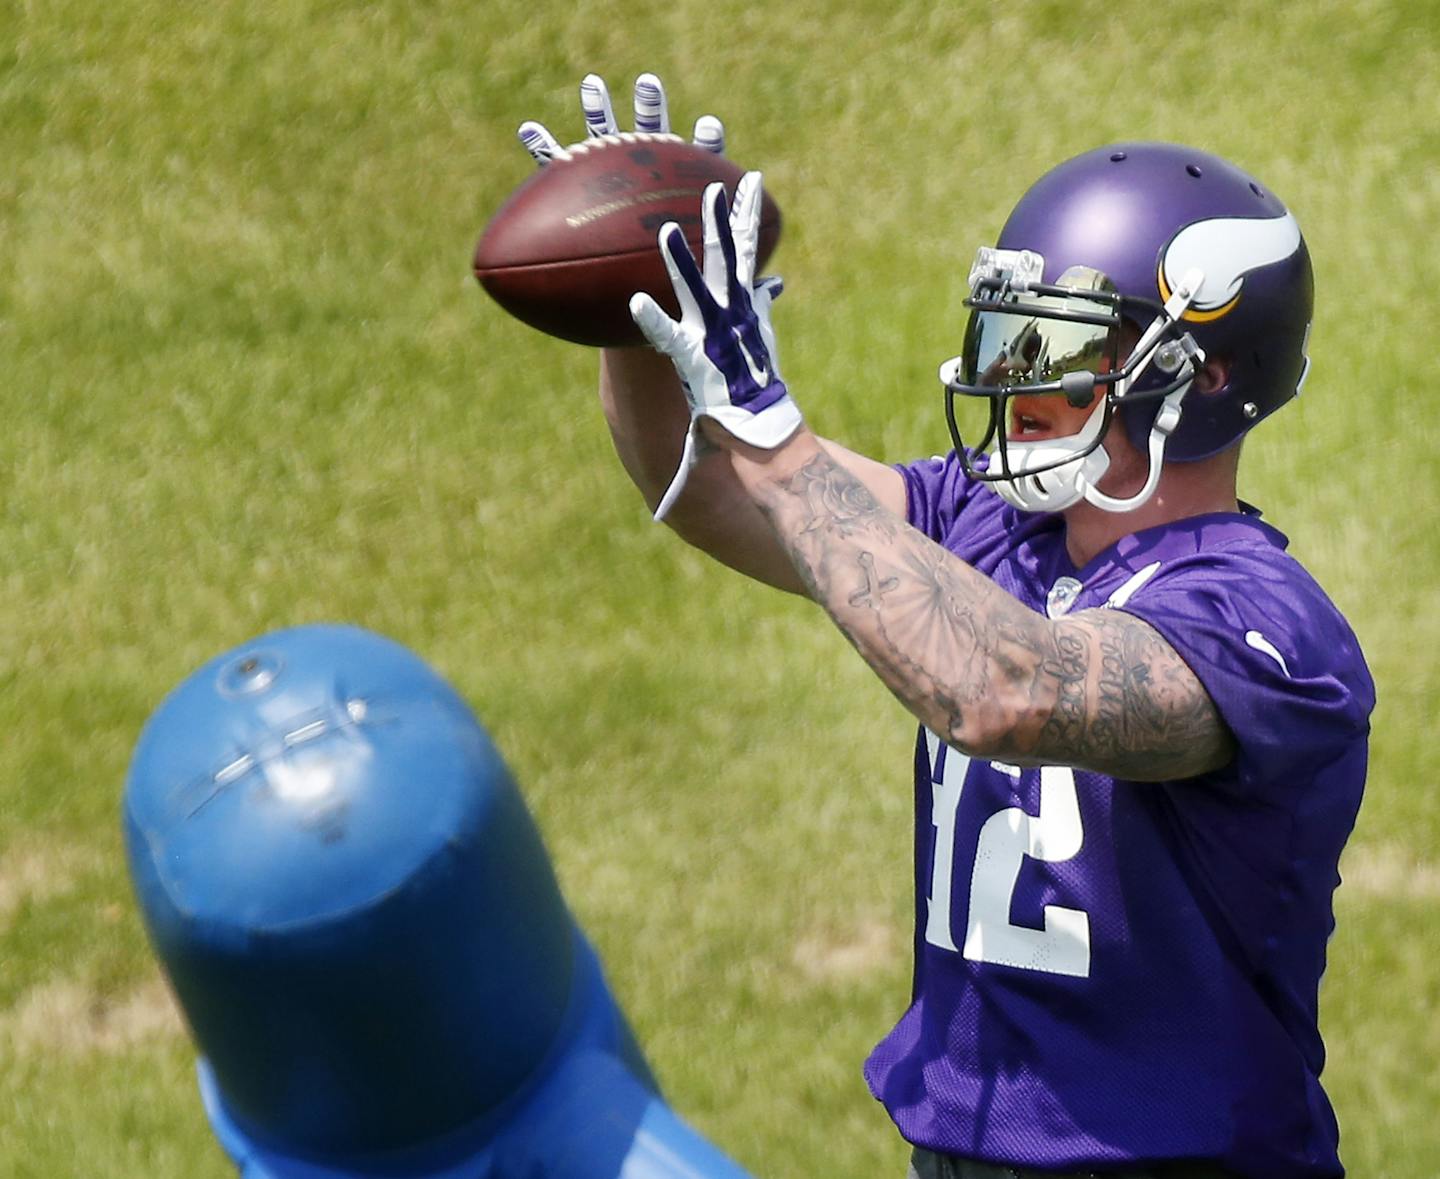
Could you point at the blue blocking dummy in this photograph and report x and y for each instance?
(361, 924)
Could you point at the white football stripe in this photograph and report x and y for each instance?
(1227, 249)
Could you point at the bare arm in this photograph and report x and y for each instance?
(1101, 690)
(648, 418)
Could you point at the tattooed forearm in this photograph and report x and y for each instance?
(1102, 690)
(953, 646)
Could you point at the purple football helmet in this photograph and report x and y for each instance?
(1199, 259)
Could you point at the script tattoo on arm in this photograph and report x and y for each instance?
(1101, 690)
(1140, 713)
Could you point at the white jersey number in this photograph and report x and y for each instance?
(1006, 838)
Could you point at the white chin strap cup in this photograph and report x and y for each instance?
(1056, 489)
(1165, 422)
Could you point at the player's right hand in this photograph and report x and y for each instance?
(651, 115)
(723, 344)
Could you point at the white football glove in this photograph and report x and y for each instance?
(723, 345)
(652, 114)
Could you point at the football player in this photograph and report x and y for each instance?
(1143, 726)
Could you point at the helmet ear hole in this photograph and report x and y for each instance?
(1214, 376)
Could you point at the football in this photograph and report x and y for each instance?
(578, 238)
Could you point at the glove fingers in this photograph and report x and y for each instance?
(767, 290)
(651, 112)
(745, 226)
(595, 103)
(654, 324)
(716, 229)
(537, 140)
(719, 257)
(685, 275)
(710, 134)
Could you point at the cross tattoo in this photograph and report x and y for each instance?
(874, 589)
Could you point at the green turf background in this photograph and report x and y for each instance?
(247, 382)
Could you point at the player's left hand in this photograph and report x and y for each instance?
(652, 115)
(723, 345)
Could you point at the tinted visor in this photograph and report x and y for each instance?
(1026, 346)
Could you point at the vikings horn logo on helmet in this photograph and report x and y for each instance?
(1226, 249)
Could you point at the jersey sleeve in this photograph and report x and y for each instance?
(1281, 665)
(937, 491)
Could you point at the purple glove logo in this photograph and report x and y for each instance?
(761, 376)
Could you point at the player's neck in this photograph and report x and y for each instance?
(1184, 490)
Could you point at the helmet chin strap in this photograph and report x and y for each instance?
(1165, 422)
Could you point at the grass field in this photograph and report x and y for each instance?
(248, 383)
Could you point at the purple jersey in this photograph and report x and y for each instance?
(1107, 973)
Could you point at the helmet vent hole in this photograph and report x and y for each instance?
(1116, 156)
(1194, 170)
(1257, 190)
